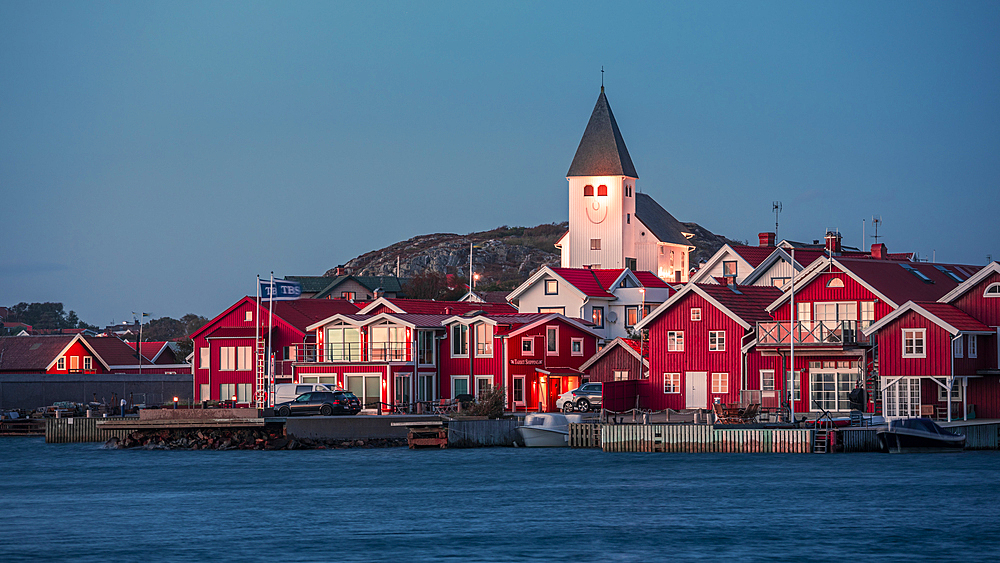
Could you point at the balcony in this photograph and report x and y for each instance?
(812, 333)
(351, 352)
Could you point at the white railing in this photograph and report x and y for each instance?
(812, 333)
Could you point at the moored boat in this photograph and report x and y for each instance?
(910, 435)
(547, 430)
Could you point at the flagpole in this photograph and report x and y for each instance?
(256, 339)
(270, 314)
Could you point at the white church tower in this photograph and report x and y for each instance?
(604, 229)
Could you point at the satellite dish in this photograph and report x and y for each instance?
(612, 316)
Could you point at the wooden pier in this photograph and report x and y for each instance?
(702, 438)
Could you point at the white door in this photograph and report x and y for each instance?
(696, 389)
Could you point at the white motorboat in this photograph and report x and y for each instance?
(547, 430)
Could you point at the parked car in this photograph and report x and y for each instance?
(588, 396)
(566, 402)
(325, 403)
(284, 392)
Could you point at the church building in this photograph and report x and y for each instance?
(611, 225)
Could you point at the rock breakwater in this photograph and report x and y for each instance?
(241, 439)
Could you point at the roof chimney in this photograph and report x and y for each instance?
(340, 270)
(766, 239)
(833, 242)
(879, 251)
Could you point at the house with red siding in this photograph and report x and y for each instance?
(701, 346)
(226, 348)
(432, 307)
(939, 358)
(835, 299)
(619, 360)
(73, 354)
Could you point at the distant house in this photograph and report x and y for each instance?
(350, 287)
(485, 296)
(432, 307)
(69, 354)
(619, 360)
(157, 352)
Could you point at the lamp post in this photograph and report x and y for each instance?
(175, 402)
(138, 343)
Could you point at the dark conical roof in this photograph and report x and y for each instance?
(602, 150)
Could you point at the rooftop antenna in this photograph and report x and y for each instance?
(602, 79)
(776, 207)
(876, 221)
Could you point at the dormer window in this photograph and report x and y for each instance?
(993, 290)
(588, 190)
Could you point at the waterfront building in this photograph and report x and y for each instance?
(78, 354)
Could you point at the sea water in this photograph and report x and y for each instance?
(81, 502)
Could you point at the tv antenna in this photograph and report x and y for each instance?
(776, 207)
(876, 221)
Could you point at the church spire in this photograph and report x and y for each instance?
(602, 150)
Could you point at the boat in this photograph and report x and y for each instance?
(911, 435)
(547, 430)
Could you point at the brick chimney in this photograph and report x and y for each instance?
(766, 239)
(340, 271)
(833, 242)
(879, 251)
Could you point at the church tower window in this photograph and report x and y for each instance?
(588, 190)
(602, 190)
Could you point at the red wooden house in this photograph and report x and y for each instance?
(836, 299)
(700, 346)
(940, 358)
(75, 354)
(224, 348)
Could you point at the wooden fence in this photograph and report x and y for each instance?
(855, 440)
(67, 430)
(702, 438)
(584, 435)
(483, 433)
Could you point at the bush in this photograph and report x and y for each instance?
(490, 405)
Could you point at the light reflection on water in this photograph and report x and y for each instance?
(84, 503)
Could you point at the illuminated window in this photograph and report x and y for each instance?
(671, 383)
(620, 375)
(602, 190)
(204, 357)
(484, 340)
(631, 315)
(598, 316)
(729, 268)
(720, 383)
(551, 287)
(696, 314)
(675, 341)
(248, 317)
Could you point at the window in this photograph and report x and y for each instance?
(425, 347)
(620, 375)
(675, 341)
(602, 190)
(244, 392)
(588, 190)
(832, 312)
(518, 390)
(913, 342)
(227, 359)
(628, 218)
(595, 244)
(779, 282)
(631, 315)
(204, 392)
(993, 290)
(528, 346)
(598, 316)
(88, 362)
(767, 380)
(630, 263)
(973, 352)
(717, 341)
(402, 388)
(205, 358)
(956, 347)
(551, 287)
(244, 358)
(576, 346)
(696, 314)
(551, 340)
(720, 383)
(248, 317)
(61, 363)
(459, 385)
(671, 383)
(797, 383)
(956, 392)
(74, 363)
(729, 268)
(388, 343)
(867, 313)
(484, 340)
(920, 275)
(343, 344)
(835, 283)
(804, 312)
(831, 389)
(949, 273)
(348, 295)
(558, 310)
(460, 343)
(227, 391)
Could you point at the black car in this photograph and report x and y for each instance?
(320, 402)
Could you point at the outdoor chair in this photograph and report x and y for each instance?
(749, 414)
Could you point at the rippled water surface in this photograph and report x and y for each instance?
(80, 502)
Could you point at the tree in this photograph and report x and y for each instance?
(46, 316)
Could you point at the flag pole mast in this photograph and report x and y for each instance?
(256, 340)
(270, 314)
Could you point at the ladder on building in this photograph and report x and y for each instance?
(872, 383)
(260, 391)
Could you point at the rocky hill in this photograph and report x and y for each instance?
(506, 255)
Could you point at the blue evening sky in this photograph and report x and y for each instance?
(157, 156)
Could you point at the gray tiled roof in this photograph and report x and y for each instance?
(602, 150)
(660, 222)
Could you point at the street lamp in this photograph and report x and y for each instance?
(175, 402)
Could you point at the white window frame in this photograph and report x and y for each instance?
(530, 340)
(487, 343)
(421, 334)
(204, 357)
(796, 378)
(61, 363)
(464, 330)
(227, 360)
(88, 363)
(551, 310)
(767, 380)
(205, 392)
(957, 392)
(244, 358)
(720, 383)
(675, 341)
(479, 379)
(716, 341)
(513, 391)
(573, 342)
(696, 314)
(992, 290)
(671, 383)
(554, 284)
(917, 335)
(248, 317)
(735, 268)
(456, 378)
(230, 389)
(973, 346)
(551, 343)
(957, 347)
(244, 392)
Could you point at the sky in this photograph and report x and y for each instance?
(158, 156)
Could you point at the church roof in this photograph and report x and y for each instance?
(660, 222)
(602, 150)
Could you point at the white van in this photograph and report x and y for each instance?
(288, 391)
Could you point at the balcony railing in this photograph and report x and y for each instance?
(812, 333)
(351, 352)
